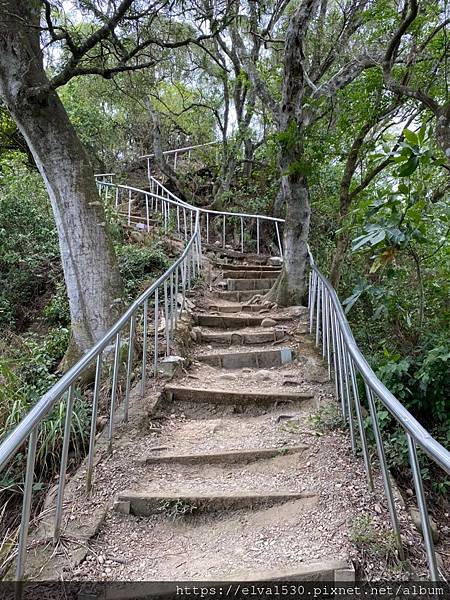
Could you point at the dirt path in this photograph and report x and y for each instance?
(260, 431)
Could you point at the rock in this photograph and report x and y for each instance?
(227, 377)
(315, 372)
(296, 311)
(170, 366)
(217, 243)
(268, 322)
(415, 516)
(193, 335)
(137, 237)
(302, 328)
(275, 261)
(263, 375)
(284, 418)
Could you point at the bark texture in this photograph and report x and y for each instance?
(90, 268)
(290, 288)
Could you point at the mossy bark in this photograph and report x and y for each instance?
(90, 268)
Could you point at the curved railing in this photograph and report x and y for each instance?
(160, 301)
(339, 348)
(175, 154)
(327, 320)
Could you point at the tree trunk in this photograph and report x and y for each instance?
(278, 205)
(443, 131)
(290, 288)
(89, 264)
(339, 255)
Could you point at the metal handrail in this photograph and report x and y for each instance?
(185, 268)
(332, 331)
(178, 150)
(160, 192)
(433, 448)
(20, 434)
(341, 352)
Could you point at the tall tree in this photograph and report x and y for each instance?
(313, 73)
(124, 36)
(420, 47)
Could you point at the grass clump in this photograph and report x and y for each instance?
(328, 417)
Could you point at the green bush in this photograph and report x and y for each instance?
(138, 264)
(26, 373)
(56, 312)
(29, 260)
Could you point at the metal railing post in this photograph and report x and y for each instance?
(156, 323)
(144, 348)
(421, 502)
(95, 399)
(63, 466)
(257, 235)
(385, 472)
(166, 316)
(115, 378)
(318, 313)
(280, 247)
(362, 432)
(126, 401)
(26, 505)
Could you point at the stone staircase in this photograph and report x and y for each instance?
(234, 484)
(227, 478)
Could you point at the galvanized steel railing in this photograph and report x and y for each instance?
(327, 322)
(229, 221)
(332, 332)
(162, 299)
(174, 154)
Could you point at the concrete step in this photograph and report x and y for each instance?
(230, 274)
(238, 308)
(236, 296)
(240, 338)
(239, 285)
(261, 359)
(147, 503)
(246, 267)
(222, 396)
(320, 571)
(228, 321)
(259, 259)
(225, 456)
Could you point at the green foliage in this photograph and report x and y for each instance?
(371, 539)
(177, 509)
(138, 264)
(421, 381)
(327, 418)
(27, 370)
(287, 139)
(29, 260)
(56, 312)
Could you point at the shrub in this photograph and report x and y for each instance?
(138, 264)
(30, 255)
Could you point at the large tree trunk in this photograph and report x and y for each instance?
(290, 288)
(443, 131)
(90, 268)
